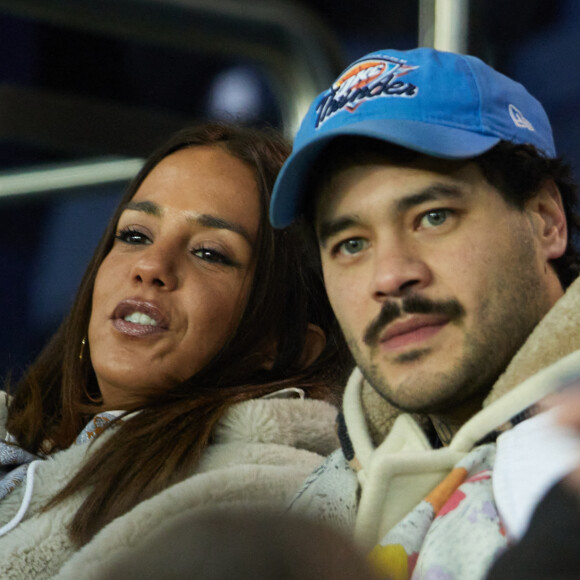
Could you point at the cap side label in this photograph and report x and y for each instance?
(519, 119)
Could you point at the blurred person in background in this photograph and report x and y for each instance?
(218, 545)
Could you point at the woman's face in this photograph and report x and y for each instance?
(174, 286)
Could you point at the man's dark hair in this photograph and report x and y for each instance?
(516, 171)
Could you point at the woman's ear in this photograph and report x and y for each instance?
(549, 220)
(314, 344)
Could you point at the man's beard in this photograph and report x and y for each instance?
(498, 333)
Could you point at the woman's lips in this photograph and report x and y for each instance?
(409, 332)
(139, 318)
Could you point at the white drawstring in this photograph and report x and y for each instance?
(25, 500)
(288, 393)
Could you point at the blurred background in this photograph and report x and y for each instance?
(88, 88)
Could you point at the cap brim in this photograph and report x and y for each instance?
(432, 140)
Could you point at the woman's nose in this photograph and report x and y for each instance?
(156, 266)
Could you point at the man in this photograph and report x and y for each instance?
(443, 220)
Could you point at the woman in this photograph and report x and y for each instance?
(192, 310)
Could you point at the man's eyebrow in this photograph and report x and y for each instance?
(432, 193)
(205, 220)
(331, 227)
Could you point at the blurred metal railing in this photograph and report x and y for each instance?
(299, 52)
(67, 176)
(443, 24)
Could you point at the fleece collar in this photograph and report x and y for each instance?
(556, 335)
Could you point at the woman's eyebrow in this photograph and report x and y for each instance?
(205, 220)
(147, 207)
(211, 221)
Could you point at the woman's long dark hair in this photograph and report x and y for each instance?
(163, 443)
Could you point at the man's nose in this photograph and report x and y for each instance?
(397, 270)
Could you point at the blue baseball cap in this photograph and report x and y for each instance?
(441, 104)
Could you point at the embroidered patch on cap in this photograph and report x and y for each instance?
(365, 80)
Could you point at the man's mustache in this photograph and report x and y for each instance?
(413, 304)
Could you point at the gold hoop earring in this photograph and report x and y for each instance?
(83, 343)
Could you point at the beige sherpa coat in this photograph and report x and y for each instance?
(396, 467)
(263, 450)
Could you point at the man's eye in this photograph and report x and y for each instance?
(352, 246)
(434, 218)
(131, 236)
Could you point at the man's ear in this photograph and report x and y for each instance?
(549, 220)
(314, 344)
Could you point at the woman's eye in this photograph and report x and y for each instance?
(352, 246)
(434, 218)
(212, 256)
(132, 236)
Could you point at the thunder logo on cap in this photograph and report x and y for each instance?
(366, 79)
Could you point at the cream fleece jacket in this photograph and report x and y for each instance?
(263, 450)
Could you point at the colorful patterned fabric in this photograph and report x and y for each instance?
(455, 533)
(14, 461)
(13, 466)
(95, 427)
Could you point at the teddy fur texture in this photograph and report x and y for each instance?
(263, 450)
